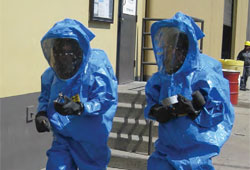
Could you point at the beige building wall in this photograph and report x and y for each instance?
(210, 11)
(240, 17)
(24, 23)
(1, 48)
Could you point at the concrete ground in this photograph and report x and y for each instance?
(235, 154)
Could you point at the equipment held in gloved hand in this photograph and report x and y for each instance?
(191, 108)
(162, 114)
(68, 106)
(198, 100)
(42, 122)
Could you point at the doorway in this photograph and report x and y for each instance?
(126, 40)
(227, 29)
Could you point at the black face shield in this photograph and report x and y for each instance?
(174, 45)
(65, 56)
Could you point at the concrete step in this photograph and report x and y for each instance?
(130, 143)
(109, 168)
(132, 126)
(135, 97)
(128, 110)
(133, 92)
(127, 160)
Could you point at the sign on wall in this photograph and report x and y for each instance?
(129, 7)
(101, 10)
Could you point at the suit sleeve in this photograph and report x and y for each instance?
(46, 81)
(102, 93)
(218, 107)
(152, 91)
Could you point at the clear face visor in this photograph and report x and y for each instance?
(172, 44)
(64, 56)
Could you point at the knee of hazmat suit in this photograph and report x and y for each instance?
(85, 75)
(182, 69)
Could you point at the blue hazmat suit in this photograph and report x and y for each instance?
(79, 141)
(183, 143)
(46, 81)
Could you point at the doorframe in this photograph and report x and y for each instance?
(120, 2)
(120, 11)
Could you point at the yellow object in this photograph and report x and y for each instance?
(76, 98)
(247, 43)
(232, 65)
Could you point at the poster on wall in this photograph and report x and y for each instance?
(129, 7)
(101, 10)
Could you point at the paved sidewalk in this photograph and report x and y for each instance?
(235, 154)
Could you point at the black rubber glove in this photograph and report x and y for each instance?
(69, 107)
(162, 114)
(192, 108)
(42, 122)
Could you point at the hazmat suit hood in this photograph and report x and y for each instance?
(68, 29)
(186, 26)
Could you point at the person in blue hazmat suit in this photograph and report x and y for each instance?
(78, 99)
(188, 96)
